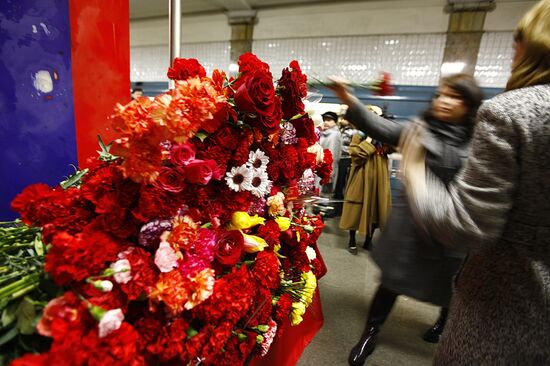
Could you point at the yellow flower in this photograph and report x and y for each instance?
(253, 243)
(298, 309)
(309, 287)
(283, 222)
(242, 220)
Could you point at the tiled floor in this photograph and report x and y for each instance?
(346, 291)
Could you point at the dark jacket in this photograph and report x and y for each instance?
(411, 261)
(498, 208)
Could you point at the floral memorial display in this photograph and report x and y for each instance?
(186, 241)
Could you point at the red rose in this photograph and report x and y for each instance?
(256, 96)
(201, 171)
(170, 179)
(182, 154)
(185, 68)
(229, 247)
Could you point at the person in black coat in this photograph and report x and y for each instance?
(411, 262)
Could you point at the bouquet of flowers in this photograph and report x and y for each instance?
(185, 242)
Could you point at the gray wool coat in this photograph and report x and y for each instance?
(411, 262)
(498, 208)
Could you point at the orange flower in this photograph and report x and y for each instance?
(172, 289)
(194, 103)
(201, 287)
(184, 232)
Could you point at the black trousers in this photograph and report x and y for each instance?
(343, 170)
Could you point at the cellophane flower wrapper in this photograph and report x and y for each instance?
(186, 243)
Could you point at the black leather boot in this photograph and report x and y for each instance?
(433, 334)
(365, 346)
(380, 308)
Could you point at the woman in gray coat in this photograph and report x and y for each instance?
(498, 209)
(411, 262)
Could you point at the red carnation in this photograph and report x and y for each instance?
(249, 62)
(293, 88)
(266, 270)
(74, 258)
(28, 200)
(305, 128)
(185, 68)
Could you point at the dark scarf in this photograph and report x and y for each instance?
(447, 148)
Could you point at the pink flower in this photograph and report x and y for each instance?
(121, 269)
(166, 258)
(269, 335)
(110, 321)
(56, 308)
(201, 171)
(200, 254)
(182, 154)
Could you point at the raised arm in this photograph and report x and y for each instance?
(379, 128)
(474, 209)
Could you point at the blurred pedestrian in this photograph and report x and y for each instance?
(411, 263)
(498, 209)
(331, 139)
(348, 131)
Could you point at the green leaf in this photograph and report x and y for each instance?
(9, 315)
(297, 116)
(74, 180)
(26, 315)
(104, 153)
(8, 336)
(38, 245)
(191, 332)
(201, 135)
(208, 225)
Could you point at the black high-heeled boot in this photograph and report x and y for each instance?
(367, 245)
(381, 306)
(352, 245)
(433, 334)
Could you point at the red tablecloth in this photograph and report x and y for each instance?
(286, 350)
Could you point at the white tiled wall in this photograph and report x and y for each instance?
(411, 59)
(150, 63)
(494, 59)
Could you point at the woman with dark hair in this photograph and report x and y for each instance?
(498, 209)
(412, 263)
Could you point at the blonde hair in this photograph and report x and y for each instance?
(533, 33)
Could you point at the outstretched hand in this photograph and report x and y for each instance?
(341, 87)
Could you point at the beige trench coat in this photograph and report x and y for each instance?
(367, 195)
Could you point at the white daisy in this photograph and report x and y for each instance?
(239, 178)
(260, 183)
(257, 160)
